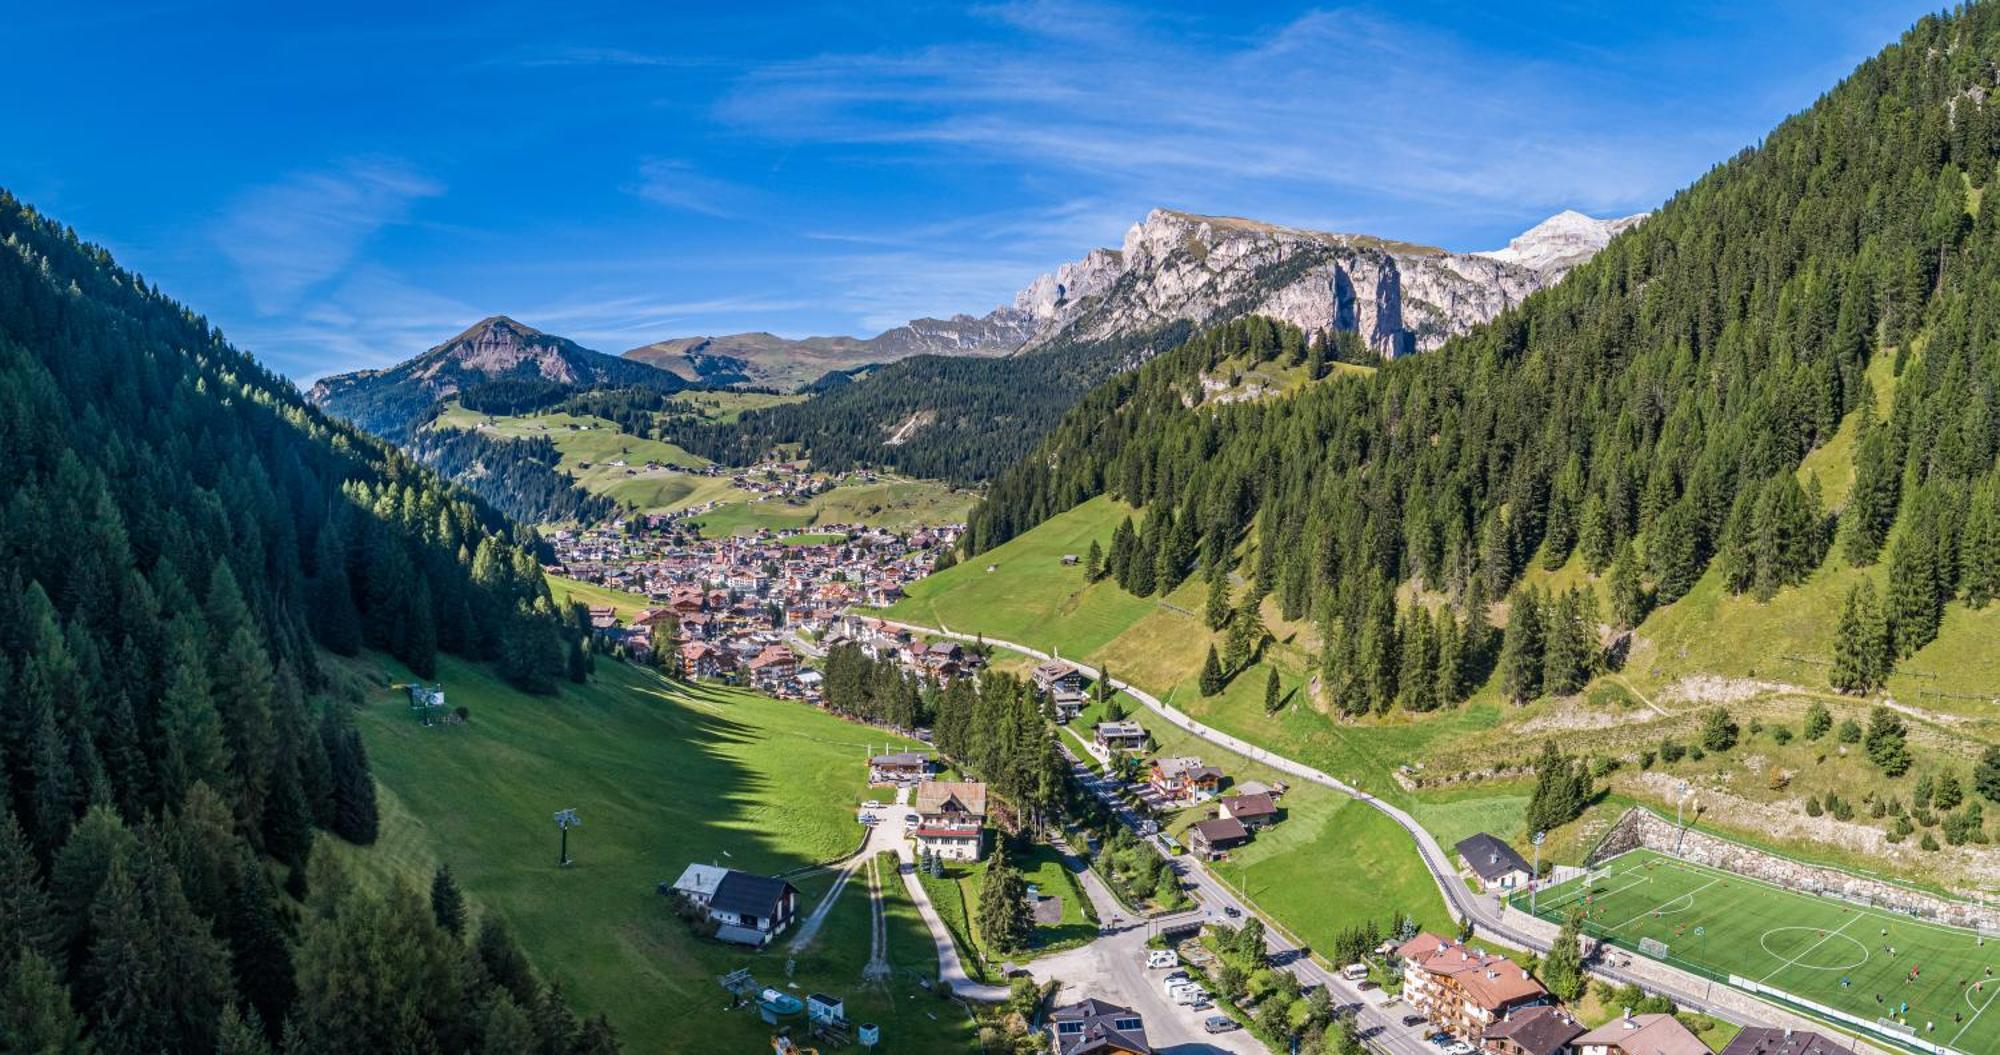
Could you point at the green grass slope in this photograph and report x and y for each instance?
(662, 775)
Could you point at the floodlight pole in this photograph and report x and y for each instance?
(1680, 830)
(1535, 881)
(565, 820)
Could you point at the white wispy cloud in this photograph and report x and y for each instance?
(1331, 101)
(678, 184)
(287, 239)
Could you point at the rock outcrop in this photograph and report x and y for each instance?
(1562, 242)
(1177, 266)
(1180, 267)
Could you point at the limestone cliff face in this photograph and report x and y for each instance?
(1180, 267)
(1176, 266)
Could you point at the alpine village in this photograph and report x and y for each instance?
(1247, 638)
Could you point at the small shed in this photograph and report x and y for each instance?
(824, 1010)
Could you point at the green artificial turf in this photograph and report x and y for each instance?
(1729, 926)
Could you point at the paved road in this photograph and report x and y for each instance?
(1486, 913)
(951, 970)
(1381, 1027)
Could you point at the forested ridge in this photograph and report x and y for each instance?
(985, 413)
(1649, 413)
(182, 538)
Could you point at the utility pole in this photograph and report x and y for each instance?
(565, 820)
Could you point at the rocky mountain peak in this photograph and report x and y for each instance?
(1562, 241)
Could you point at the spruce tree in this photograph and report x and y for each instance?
(1818, 720)
(1216, 613)
(1986, 775)
(1628, 597)
(1887, 742)
(1212, 680)
(1004, 921)
(1093, 562)
(1271, 692)
(35, 1013)
(27, 921)
(1915, 602)
(1562, 969)
(1521, 649)
(447, 902)
(1861, 648)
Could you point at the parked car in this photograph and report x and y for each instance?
(1162, 958)
(1219, 1024)
(1231, 911)
(1413, 1020)
(872, 804)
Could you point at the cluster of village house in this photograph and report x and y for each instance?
(1487, 1000)
(735, 601)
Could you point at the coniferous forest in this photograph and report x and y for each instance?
(183, 540)
(1649, 413)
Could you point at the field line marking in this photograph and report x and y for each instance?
(1689, 895)
(1824, 938)
(1975, 1017)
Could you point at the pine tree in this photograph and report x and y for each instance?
(195, 749)
(447, 903)
(1871, 506)
(1886, 742)
(1521, 649)
(355, 817)
(1916, 605)
(1986, 775)
(1212, 680)
(1093, 562)
(1562, 969)
(35, 1013)
(1861, 649)
(1271, 692)
(1818, 720)
(1562, 789)
(27, 922)
(1718, 730)
(1567, 654)
(1628, 597)
(240, 1035)
(1216, 613)
(1004, 922)
(1245, 635)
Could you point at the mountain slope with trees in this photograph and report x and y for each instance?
(1649, 415)
(182, 537)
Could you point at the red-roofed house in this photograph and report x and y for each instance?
(1464, 990)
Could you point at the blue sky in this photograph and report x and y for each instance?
(343, 185)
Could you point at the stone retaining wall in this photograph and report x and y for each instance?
(1642, 828)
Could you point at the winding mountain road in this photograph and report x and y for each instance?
(1486, 913)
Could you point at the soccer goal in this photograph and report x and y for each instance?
(1653, 947)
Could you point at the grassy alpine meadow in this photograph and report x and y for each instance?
(662, 775)
(626, 603)
(1030, 596)
(886, 502)
(1934, 980)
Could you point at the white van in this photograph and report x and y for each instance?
(1157, 958)
(1355, 972)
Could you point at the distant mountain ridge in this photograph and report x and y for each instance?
(1182, 267)
(1111, 311)
(387, 402)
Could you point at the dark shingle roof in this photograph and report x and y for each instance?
(1538, 1030)
(1100, 1032)
(1490, 857)
(748, 895)
(1763, 1040)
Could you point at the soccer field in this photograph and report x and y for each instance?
(1938, 981)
